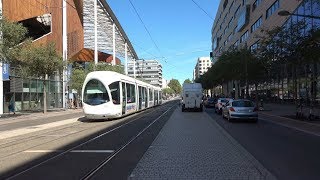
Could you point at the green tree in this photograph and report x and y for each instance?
(175, 85)
(13, 34)
(79, 74)
(187, 81)
(41, 62)
(77, 78)
(167, 91)
(105, 67)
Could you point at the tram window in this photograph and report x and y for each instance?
(131, 93)
(95, 93)
(156, 95)
(115, 92)
(145, 94)
(150, 95)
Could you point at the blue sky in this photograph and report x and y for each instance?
(180, 29)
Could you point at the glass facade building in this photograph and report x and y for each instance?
(27, 94)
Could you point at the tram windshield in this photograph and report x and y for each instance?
(95, 93)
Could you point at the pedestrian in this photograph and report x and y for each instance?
(75, 103)
(11, 106)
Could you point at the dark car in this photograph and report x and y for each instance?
(210, 102)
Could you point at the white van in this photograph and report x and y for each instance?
(192, 96)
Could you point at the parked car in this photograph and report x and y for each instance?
(220, 102)
(240, 109)
(210, 102)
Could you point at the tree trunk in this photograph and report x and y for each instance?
(294, 83)
(257, 95)
(314, 80)
(44, 96)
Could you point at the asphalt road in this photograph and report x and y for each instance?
(108, 154)
(285, 152)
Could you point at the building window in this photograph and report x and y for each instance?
(256, 25)
(236, 43)
(243, 2)
(38, 26)
(225, 4)
(229, 37)
(272, 9)
(235, 29)
(229, 24)
(231, 6)
(244, 37)
(254, 47)
(256, 4)
(237, 11)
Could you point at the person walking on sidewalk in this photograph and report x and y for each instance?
(11, 106)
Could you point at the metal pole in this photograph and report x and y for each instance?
(64, 51)
(95, 32)
(114, 44)
(126, 58)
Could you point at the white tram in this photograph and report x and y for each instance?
(107, 94)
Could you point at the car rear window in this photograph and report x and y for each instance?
(224, 100)
(242, 104)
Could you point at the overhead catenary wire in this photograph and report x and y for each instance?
(145, 27)
(202, 9)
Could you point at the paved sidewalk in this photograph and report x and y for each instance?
(193, 146)
(287, 109)
(40, 114)
(284, 114)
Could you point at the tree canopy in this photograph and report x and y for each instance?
(187, 81)
(79, 73)
(13, 34)
(175, 85)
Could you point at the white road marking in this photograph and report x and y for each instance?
(73, 151)
(42, 151)
(92, 151)
(31, 129)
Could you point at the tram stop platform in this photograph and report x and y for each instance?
(191, 145)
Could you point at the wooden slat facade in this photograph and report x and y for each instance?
(18, 10)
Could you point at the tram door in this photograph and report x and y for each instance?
(124, 98)
(140, 97)
(147, 97)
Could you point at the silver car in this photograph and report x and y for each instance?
(240, 109)
(219, 104)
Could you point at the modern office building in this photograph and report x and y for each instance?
(149, 71)
(70, 25)
(202, 66)
(239, 23)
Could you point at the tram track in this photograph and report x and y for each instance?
(100, 166)
(43, 134)
(113, 128)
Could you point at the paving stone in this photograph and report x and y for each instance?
(194, 146)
